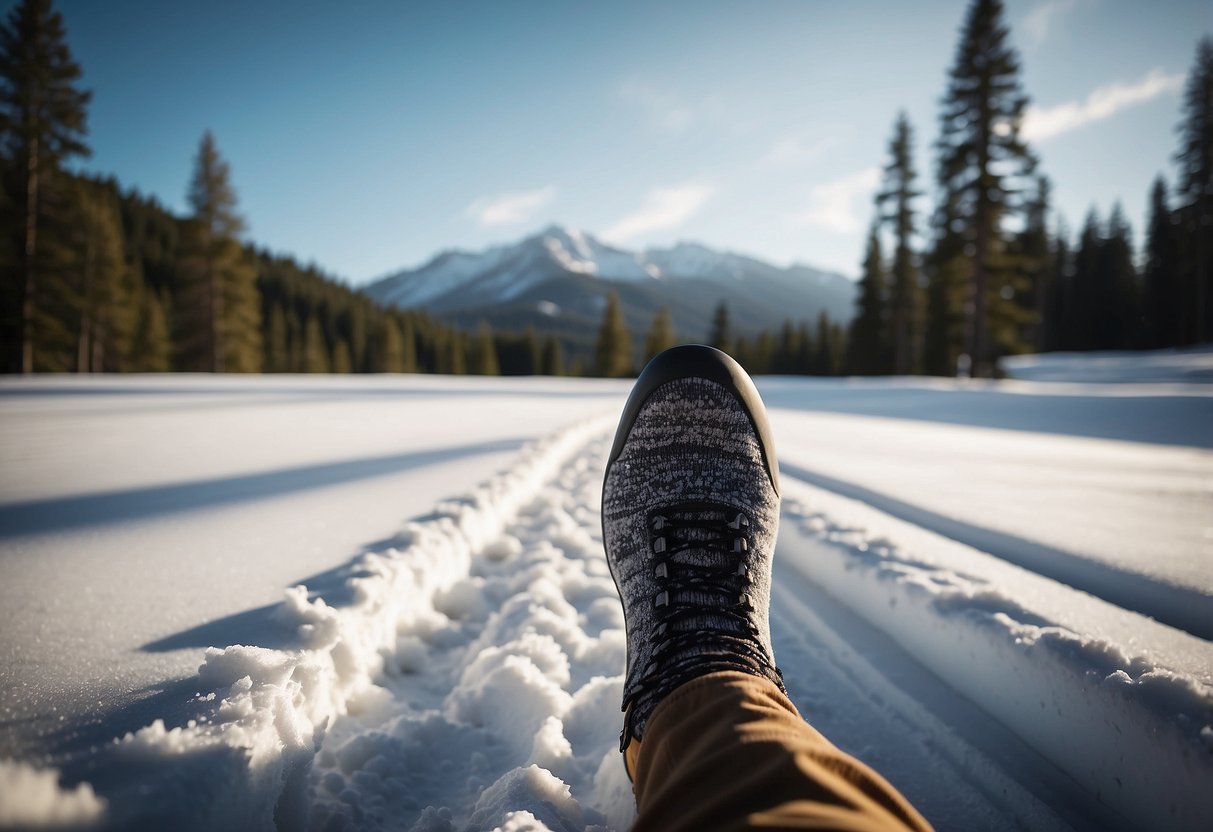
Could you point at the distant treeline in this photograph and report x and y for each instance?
(797, 348)
(95, 278)
(992, 276)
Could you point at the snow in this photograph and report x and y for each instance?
(42, 802)
(1192, 364)
(218, 611)
(505, 272)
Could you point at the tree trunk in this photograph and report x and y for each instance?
(31, 248)
(977, 329)
(216, 281)
(84, 349)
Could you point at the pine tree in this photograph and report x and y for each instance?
(457, 346)
(107, 320)
(1116, 317)
(343, 362)
(660, 336)
(1058, 301)
(42, 126)
(613, 349)
(315, 351)
(804, 358)
(1035, 265)
(1163, 302)
(553, 359)
(222, 330)
(825, 348)
(152, 350)
(868, 348)
(408, 346)
(788, 349)
(981, 156)
(896, 200)
(485, 363)
(389, 350)
(1083, 321)
(722, 332)
(532, 350)
(763, 356)
(358, 329)
(278, 355)
(1194, 197)
(948, 273)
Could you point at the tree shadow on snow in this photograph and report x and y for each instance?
(133, 504)
(1156, 419)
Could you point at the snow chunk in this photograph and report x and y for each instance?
(32, 798)
(528, 798)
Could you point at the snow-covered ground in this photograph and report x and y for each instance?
(999, 594)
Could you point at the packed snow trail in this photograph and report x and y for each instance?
(467, 676)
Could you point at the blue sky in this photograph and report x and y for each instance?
(365, 137)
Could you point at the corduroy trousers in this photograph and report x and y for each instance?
(729, 751)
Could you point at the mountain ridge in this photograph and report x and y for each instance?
(557, 279)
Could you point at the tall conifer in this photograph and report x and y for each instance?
(1083, 322)
(660, 336)
(42, 125)
(222, 327)
(107, 319)
(868, 346)
(721, 336)
(485, 363)
(315, 351)
(553, 358)
(896, 200)
(1194, 198)
(1163, 302)
(1116, 318)
(152, 349)
(613, 349)
(981, 157)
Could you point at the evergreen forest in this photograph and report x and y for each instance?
(98, 278)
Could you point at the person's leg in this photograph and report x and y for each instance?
(690, 513)
(728, 751)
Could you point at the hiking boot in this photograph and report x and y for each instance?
(690, 511)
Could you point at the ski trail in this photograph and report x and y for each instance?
(1182, 607)
(1069, 674)
(500, 705)
(856, 686)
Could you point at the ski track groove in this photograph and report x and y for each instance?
(1130, 731)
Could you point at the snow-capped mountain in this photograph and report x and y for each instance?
(556, 279)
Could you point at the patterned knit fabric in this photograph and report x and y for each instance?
(692, 463)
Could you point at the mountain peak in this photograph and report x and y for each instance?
(561, 255)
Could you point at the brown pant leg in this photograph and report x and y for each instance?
(729, 751)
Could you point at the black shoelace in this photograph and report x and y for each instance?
(702, 609)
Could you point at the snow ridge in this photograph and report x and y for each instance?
(266, 712)
(1131, 730)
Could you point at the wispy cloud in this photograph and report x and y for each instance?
(1042, 123)
(789, 151)
(1040, 20)
(669, 110)
(662, 208)
(833, 204)
(510, 209)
